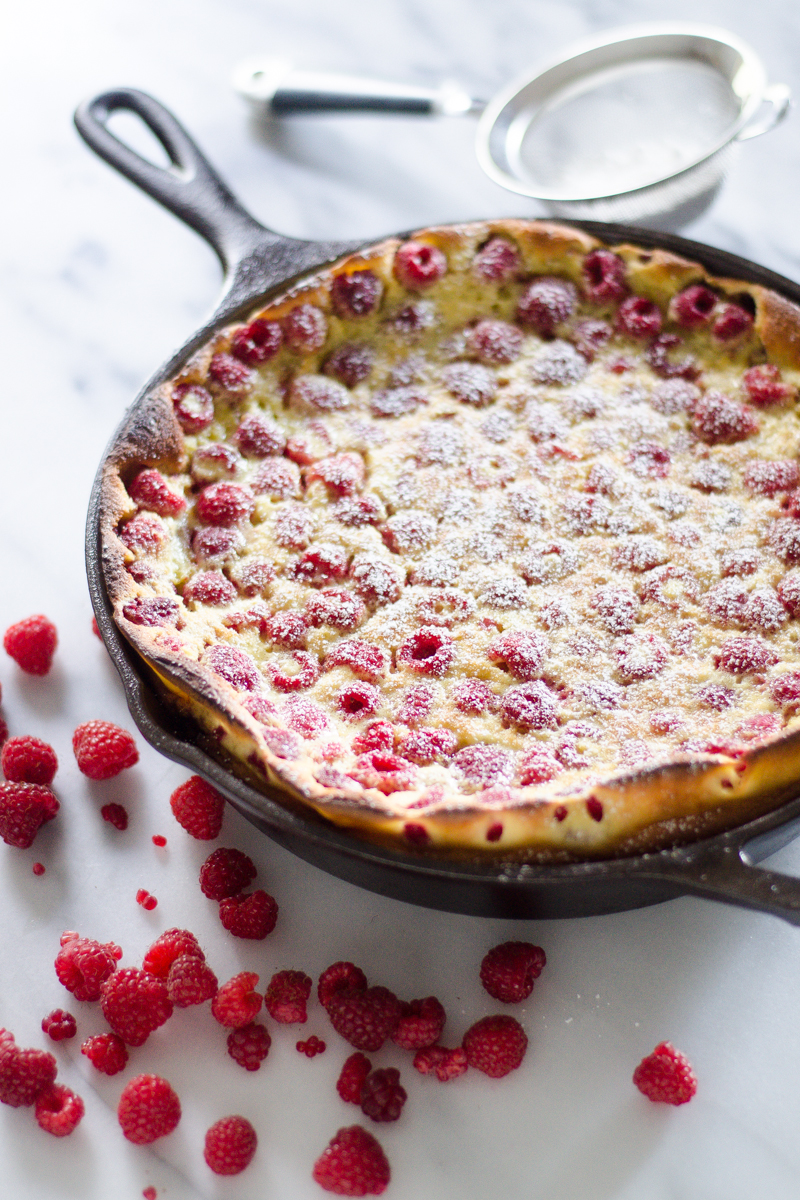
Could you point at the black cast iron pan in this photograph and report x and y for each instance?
(257, 262)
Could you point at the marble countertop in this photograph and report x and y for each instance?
(99, 285)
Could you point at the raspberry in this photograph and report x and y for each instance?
(320, 564)
(356, 511)
(366, 1018)
(640, 656)
(474, 697)
(429, 745)
(258, 437)
(59, 1025)
(58, 1110)
(692, 307)
(538, 766)
(420, 1025)
(230, 374)
(429, 651)
(471, 383)
(237, 1002)
(765, 387)
(743, 655)
(529, 706)
(415, 706)
(276, 477)
(396, 402)
(148, 1109)
(305, 328)
(353, 1164)
(253, 576)
(767, 476)
(445, 1064)
(731, 322)
(224, 504)
(493, 342)
(387, 772)
(24, 808)
(616, 607)
(349, 363)
(38, 868)
(226, 872)
(83, 965)
(522, 654)
(152, 611)
(198, 808)
(106, 1052)
(639, 318)
(32, 643)
(150, 490)
(257, 342)
(167, 948)
(249, 1045)
(590, 336)
(102, 749)
(193, 406)
(312, 1047)
(658, 356)
(305, 716)
(545, 303)
(315, 394)
(604, 276)
(24, 1074)
(417, 265)
(498, 261)
(209, 587)
(234, 666)
(495, 1045)
(718, 419)
(146, 900)
(339, 609)
(339, 978)
(355, 294)
(366, 661)
(666, 1076)
(382, 1097)
(509, 970)
(648, 460)
(358, 700)
(143, 532)
(376, 581)
(353, 1074)
(286, 997)
(214, 462)
(251, 915)
(230, 1145)
(344, 473)
(190, 981)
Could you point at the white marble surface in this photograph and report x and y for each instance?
(98, 287)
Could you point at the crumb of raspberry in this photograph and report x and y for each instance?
(666, 1076)
(249, 1045)
(158, 840)
(59, 1025)
(522, 654)
(765, 387)
(365, 1018)
(444, 1063)
(134, 1004)
(168, 947)
(639, 318)
(731, 322)
(38, 868)
(312, 1047)
(102, 749)
(190, 981)
(495, 1045)
(604, 276)
(350, 363)
(340, 977)
(24, 1074)
(145, 900)
(106, 1052)
(198, 808)
(355, 294)
(257, 342)
(28, 760)
(148, 1109)
(230, 1145)
(351, 1079)
(226, 872)
(508, 971)
(382, 1096)
(237, 1002)
(429, 651)
(194, 407)
(150, 490)
(305, 328)
(493, 342)
(287, 995)
(250, 915)
(420, 1025)
(24, 808)
(58, 1110)
(32, 643)
(545, 303)
(417, 265)
(83, 965)
(498, 261)
(149, 1193)
(353, 1164)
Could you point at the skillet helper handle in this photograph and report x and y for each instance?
(779, 97)
(189, 187)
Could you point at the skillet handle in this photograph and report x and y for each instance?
(190, 187)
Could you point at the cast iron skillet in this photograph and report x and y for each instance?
(257, 262)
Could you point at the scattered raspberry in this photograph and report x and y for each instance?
(198, 808)
(83, 965)
(429, 651)
(305, 328)
(59, 1025)
(193, 406)
(28, 760)
(191, 981)
(604, 276)
(530, 706)
(24, 808)
(230, 1145)
(257, 342)
(286, 997)
(58, 1110)
(353, 1164)
(445, 1064)
(417, 265)
(251, 915)
(150, 490)
(366, 1018)
(350, 363)
(353, 1074)
(639, 318)
(24, 1074)
(149, 1193)
(32, 643)
(497, 262)
(420, 1025)
(134, 1004)
(355, 294)
(145, 900)
(666, 1076)
(765, 387)
(382, 1096)
(237, 1003)
(148, 1109)
(312, 1047)
(339, 978)
(170, 946)
(508, 971)
(495, 1045)
(545, 303)
(106, 1052)
(225, 873)
(102, 749)
(249, 1045)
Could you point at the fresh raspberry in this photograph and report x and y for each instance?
(28, 760)
(249, 1045)
(493, 342)
(198, 808)
(194, 407)
(106, 1052)
(339, 978)
(420, 1025)
(257, 342)
(24, 1074)
(693, 307)
(312, 1047)
(146, 900)
(158, 840)
(351, 1079)
(230, 1145)
(382, 1096)
(666, 1076)
(32, 643)
(59, 1025)
(355, 294)
(545, 303)
(353, 1164)
(508, 971)
(171, 945)
(237, 1002)
(429, 651)
(365, 1019)
(639, 318)
(350, 363)
(522, 654)
(83, 965)
(191, 981)
(134, 1004)
(604, 276)
(226, 872)
(150, 490)
(58, 1110)
(495, 1045)
(445, 1064)
(102, 749)
(305, 328)
(38, 868)
(498, 261)
(224, 504)
(249, 915)
(148, 1109)
(24, 808)
(287, 995)
(765, 387)
(731, 322)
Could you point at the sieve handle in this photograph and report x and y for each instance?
(779, 96)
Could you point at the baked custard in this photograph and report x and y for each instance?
(485, 541)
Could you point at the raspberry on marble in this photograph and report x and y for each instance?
(230, 1145)
(444, 1063)
(249, 1045)
(353, 1164)
(287, 996)
(382, 1095)
(495, 1045)
(28, 760)
(83, 965)
(58, 1110)
(148, 1109)
(509, 971)
(666, 1076)
(198, 808)
(351, 1079)
(59, 1025)
(106, 1052)
(135, 1004)
(364, 1018)
(250, 915)
(32, 643)
(237, 1002)
(226, 873)
(24, 808)
(420, 1025)
(311, 1047)
(24, 1074)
